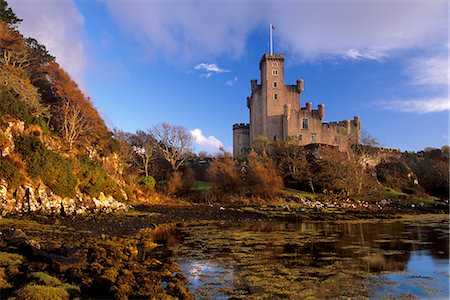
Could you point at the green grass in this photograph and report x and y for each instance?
(202, 186)
(298, 194)
(391, 193)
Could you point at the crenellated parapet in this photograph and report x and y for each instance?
(241, 126)
(276, 113)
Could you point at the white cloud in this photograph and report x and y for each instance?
(419, 106)
(209, 69)
(429, 71)
(369, 29)
(359, 54)
(58, 25)
(231, 81)
(209, 144)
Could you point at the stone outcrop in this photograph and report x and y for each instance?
(13, 128)
(28, 198)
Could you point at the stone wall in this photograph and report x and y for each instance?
(276, 112)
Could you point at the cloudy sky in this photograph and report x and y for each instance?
(190, 62)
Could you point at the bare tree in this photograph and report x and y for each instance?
(144, 147)
(174, 142)
(75, 124)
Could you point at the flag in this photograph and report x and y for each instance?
(273, 27)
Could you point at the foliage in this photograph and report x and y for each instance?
(292, 161)
(10, 106)
(432, 169)
(7, 15)
(224, 174)
(261, 144)
(174, 183)
(343, 174)
(54, 170)
(396, 174)
(148, 182)
(93, 178)
(262, 175)
(187, 180)
(10, 171)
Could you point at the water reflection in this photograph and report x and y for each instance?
(317, 259)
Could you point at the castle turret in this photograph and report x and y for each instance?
(308, 106)
(300, 86)
(321, 108)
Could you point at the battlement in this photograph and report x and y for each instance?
(241, 126)
(276, 113)
(267, 56)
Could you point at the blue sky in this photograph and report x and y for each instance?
(189, 63)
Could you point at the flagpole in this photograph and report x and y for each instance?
(271, 44)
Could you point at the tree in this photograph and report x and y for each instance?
(7, 15)
(344, 174)
(291, 159)
(75, 124)
(174, 142)
(366, 139)
(143, 145)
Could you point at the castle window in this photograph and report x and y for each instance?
(274, 64)
(274, 138)
(275, 84)
(313, 138)
(275, 72)
(305, 124)
(275, 96)
(299, 137)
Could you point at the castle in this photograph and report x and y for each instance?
(275, 113)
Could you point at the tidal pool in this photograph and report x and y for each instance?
(404, 258)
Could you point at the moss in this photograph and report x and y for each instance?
(4, 283)
(40, 292)
(42, 278)
(10, 262)
(72, 289)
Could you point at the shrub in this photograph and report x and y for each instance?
(396, 174)
(93, 178)
(224, 174)
(148, 182)
(55, 171)
(174, 183)
(9, 105)
(10, 171)
(188, 180)
(262, 175)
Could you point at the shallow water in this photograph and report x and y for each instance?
(382, 259)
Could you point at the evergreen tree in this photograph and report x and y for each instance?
(7, 15)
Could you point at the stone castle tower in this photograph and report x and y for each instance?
(276, 113)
